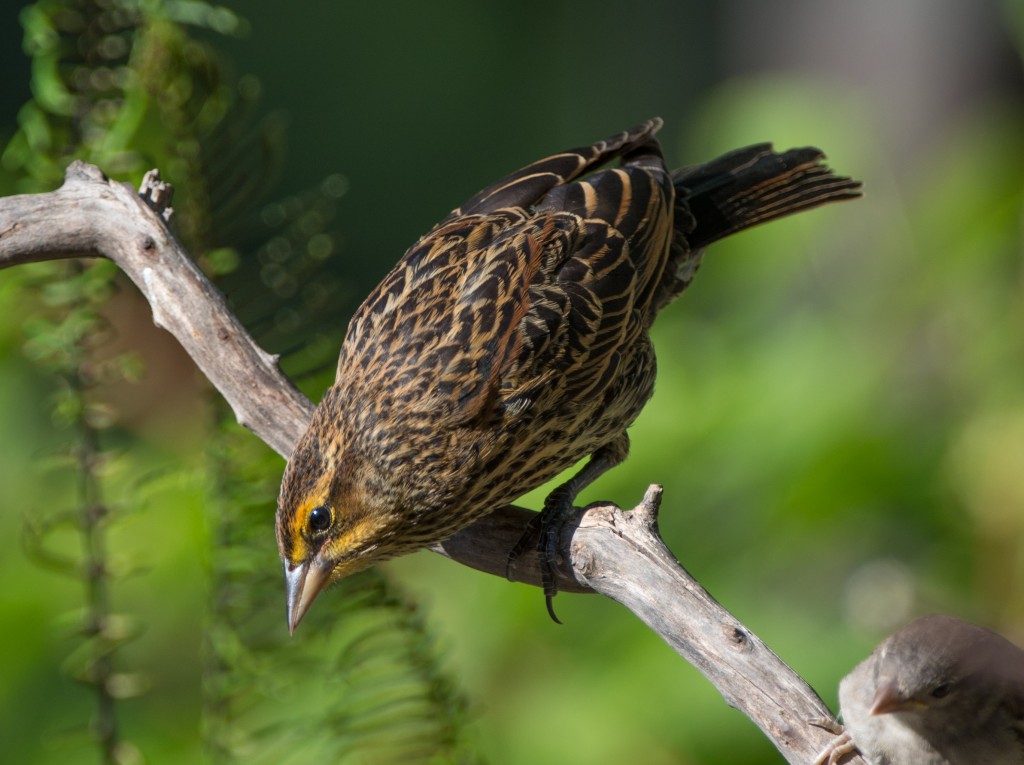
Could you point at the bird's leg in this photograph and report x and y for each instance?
(546, 527)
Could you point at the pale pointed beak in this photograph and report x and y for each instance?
(889, 699)
(302, 584)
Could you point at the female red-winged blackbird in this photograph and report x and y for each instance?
(510, 342)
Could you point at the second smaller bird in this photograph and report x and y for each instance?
(941, 691)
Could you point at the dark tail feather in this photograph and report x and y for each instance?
(750, 186)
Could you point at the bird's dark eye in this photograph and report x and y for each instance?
(939, 691)
(319, 519)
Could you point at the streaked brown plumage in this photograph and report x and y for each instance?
(512, 341)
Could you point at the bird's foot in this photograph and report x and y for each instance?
(543, 532)
(838, 747)
(527, 541)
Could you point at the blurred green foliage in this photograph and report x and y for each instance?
(839, 420)
(126, 86)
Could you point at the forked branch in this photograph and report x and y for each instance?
(615, 553)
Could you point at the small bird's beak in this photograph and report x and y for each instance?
(303, 583)
(889, 699)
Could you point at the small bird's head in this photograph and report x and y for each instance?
(328, 524)
(934, 667)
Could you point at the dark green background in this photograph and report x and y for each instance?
(839, 419)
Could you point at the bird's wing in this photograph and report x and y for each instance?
(530, 184)
(606, 240)
(538, 280)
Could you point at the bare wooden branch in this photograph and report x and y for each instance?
(615, 553)
(621, 555)
(91, 216)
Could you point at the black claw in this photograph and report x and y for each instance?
(549, 599)
(547, 579)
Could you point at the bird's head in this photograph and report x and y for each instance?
(330, 523)
(934, 667)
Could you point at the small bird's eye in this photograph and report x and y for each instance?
(319, 519)
(939, 691)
